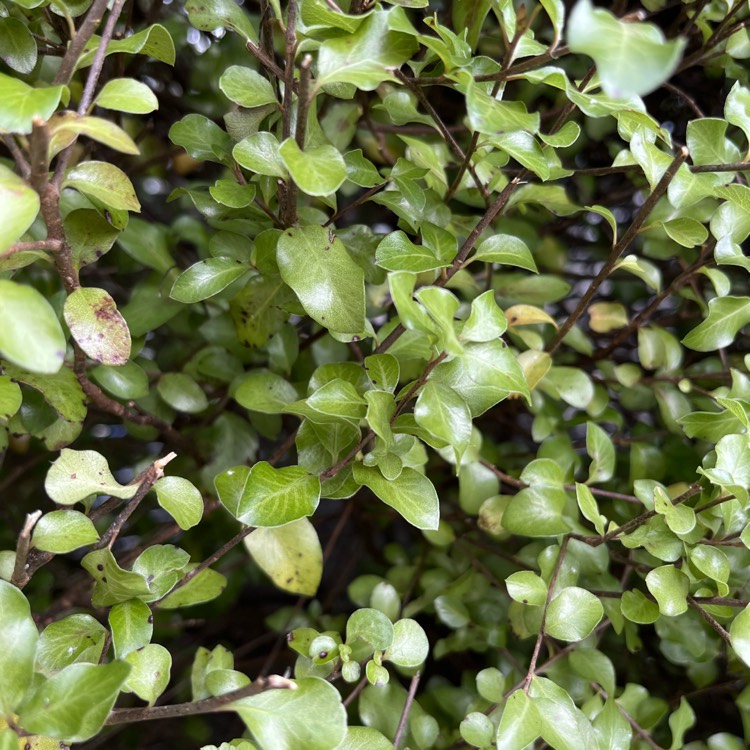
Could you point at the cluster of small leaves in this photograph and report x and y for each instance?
(466, 278)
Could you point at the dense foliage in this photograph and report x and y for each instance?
(373, 373)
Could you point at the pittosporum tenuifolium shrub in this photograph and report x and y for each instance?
(373, 375)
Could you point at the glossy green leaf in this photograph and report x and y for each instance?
(595, 666)
(97, 326)
(589, 508)
(22, 103)
(382, 371)
(329, 284)
(396, 252)
(18, 46)
(67, 127)
(310, 716)
(149, 673)
(520, 723)
(290, 555)
(30, 334)
(491, 684)
(505, 249)
(76, 475)
(570, 384)
(265, 496)
(365, 738)
(234, 195)
(737, 107)
(444, 414)
(411, 494)
(19, 206)
(206, 278)
(612, 729)
(17, 658)
(563, 724)
(104, 182)
(686, 231)
(489, 115)
(218, 14)
(75, 702)
(370, 626)
(265, 391)
(75, 638)
(477, 729)
(127, 95)
(202, 138)
(246, 87)
(182, 392)
(338, 398)
(739, 632)
(602, 452)
(205, 587)
(259, 153)
(154, 41)
(112, 584)
(128, 381)
(10, 398)
(63, 531)
(409, 647)
(181, 499)
(89, 235)
(132, 625)
(316, 171)
(573, 614)
(631, 58)
(669, 586)
(526, 587)
(726, 316)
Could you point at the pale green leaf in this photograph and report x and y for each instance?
(19, 205)
(20, 637)
(127, 95)
(316, 171)
(104, 182)
(181, 499)
(726, 316)
(573, 614)
(669, 586)
(22, 103)
(62, 531)
(206, 278)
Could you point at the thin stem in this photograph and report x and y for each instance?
(88, 27)
(24, 247)
(18, 157)
(620, 248)
(356, 202)
(407, 708)
(711, 621)
(208, 705)
(267, 62)
(550, 592)
(303, 100)
(20, 569)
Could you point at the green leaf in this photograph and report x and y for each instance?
(19, 206)
(563, 725)
(612, 729)
(570, 384)
(265, 391)
(538, 509)
(338, 398)
(246, 87)
(10, 398)
(445, 415)
(62, 531)
(89, 235)
(97, 326)
(637, 608)
(154, 41)
(259, 153)
(361, 171)
(329, 284)
(309, 717)
(30, 334)
(489, 115)
(364, 738)
(477, 729)
(602, 452)
(486, 321)
(364, 57)
(382, 371)
(265, 496)
(150, 672)
(22, 103)
(737, 108)
(525, 149)
(290, 555)
(739, 632)
(220, 14)
(112, 584)
(182, 393)
(726, 316)
(573, 614)
(74, 703)
(206, 278)
(316, 171)
(181, 499)
(595, 666)
(589, 508)
(128, 381)
(74, 639)
(20, 643)
(679, 722)
(409, 647)
(686, 231)
(631, 58)
(526, 587)
(132, 626)
(258, 311)
(669, 586)
(104, 182)
(65, 128)
(607, 316)
(205, 587)
(76, 475)
(202, 139)
(127, 95)
(491, 684)
(396, 252)
(411, 494)
(372, 627)
(520, 723)
(234, 195)
(17, 46)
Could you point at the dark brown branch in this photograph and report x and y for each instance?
(407, 708)
(356, 202)
(208, 705)
(84, 33)
(267, 62)
(24, 247)
(21, 572)
(303, 100)
(18, 157)
(621, 246)
(711, 621)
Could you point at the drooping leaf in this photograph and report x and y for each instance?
(290, 555)
(150, 671)
(132, 625)
(17, 658)
(104, 182)
(154, 41)
(30, 334)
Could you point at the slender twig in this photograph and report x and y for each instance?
(407, 708)
(147, 480)
(711, 621)
(361, 685)
(38, 149)
(267, 62)
(356, 202)
(84, 33)
(550, 593)
(20, 569)
(685, 97)
(18, 157)
(303, 100)
(24, 247)
(208, 705)
(210, 560)
(622, 245)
